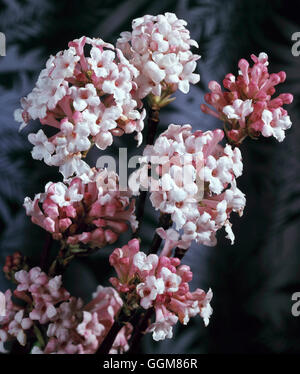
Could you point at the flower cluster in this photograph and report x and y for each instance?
(93, 213)
(247, 108)
(70, 327)
(86, 100)
(160, 283)
(195, 182)
(41, 293)
(159, 47)
(86, 95)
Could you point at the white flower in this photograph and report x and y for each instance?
(77, 166)
(275, 123)
(42, 149)
(206, 309)
(144, 262)
(36, 351)
(19, 117)
(171, 280)
(18, 325)
(163, 328)
(90, 328)
(84, 96)
(102, 62)
(240, 109)
(64, 195)
(64, 64)
(149, 290)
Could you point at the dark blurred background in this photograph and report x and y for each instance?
(253, 280)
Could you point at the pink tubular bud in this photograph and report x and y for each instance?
(214, 86)
(244, 66)
(77, 116)
(282, 76)
(287, 98)
(110, 236)
(205, 109)
(229, 81)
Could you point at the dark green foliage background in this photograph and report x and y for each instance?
(253, 280)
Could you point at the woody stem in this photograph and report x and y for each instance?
(46, 252)
(153, 120)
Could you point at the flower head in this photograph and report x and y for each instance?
(92, 213)
(160, 48)
(69, 326)
(194, 182)
(86, 101)
(160, 283)
(247, 107)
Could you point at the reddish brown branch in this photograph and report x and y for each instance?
(152, 125)
(46, 252)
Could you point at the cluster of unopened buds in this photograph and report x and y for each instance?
(247, 107)
(93, 213)
(88, 94)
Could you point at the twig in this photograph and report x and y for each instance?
(46, 252)
(180, 252)
(140, 208)
(108, 341)
(139, 331)
(165, 222)
(153, 120)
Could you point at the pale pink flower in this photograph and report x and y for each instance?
(122, 261)
(32, 280)
(10, 309)
(10, 312)
(162, 328)
(106, 303)
(120, 345)
(171, 238)
(171, 280)
(149, 290)
(65, 320)
(90, 329)
(81, 329)
(18, 325)
(36, 288)
(14, 324)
